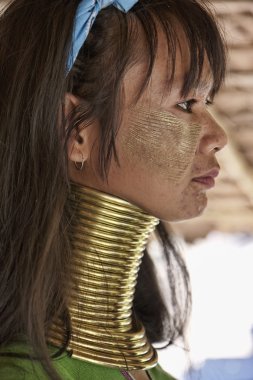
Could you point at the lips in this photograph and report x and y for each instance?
(207, 179)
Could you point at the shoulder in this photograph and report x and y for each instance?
(15, 369)
(88, 370)
(16, 365)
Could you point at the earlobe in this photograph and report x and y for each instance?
(79, 165)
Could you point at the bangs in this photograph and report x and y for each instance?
(203, 36)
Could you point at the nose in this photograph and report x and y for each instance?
(213, 138)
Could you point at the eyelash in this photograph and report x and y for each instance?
(187, 105)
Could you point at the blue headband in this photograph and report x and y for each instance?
(86, 13)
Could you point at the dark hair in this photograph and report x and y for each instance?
(35, 40)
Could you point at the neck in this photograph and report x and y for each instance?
(108, 236)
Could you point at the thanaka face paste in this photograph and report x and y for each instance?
(163, 142)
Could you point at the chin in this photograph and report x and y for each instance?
(196, 209)
(187, 210)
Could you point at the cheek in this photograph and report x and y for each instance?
(163, 143)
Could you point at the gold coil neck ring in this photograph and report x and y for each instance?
(108, 236)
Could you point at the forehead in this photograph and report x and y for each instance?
(159, 81)
(162, 70)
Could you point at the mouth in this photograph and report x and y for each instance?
(207, 179)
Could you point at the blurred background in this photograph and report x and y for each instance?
(218, 246)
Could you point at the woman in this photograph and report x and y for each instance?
(104, 132)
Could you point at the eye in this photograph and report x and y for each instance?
(186, 106)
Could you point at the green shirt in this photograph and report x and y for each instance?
(12, 368)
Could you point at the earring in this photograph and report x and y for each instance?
(79, 165)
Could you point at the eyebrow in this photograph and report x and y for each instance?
(204, 86)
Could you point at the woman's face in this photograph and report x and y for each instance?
(164, 143)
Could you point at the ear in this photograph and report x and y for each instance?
(78, 145)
